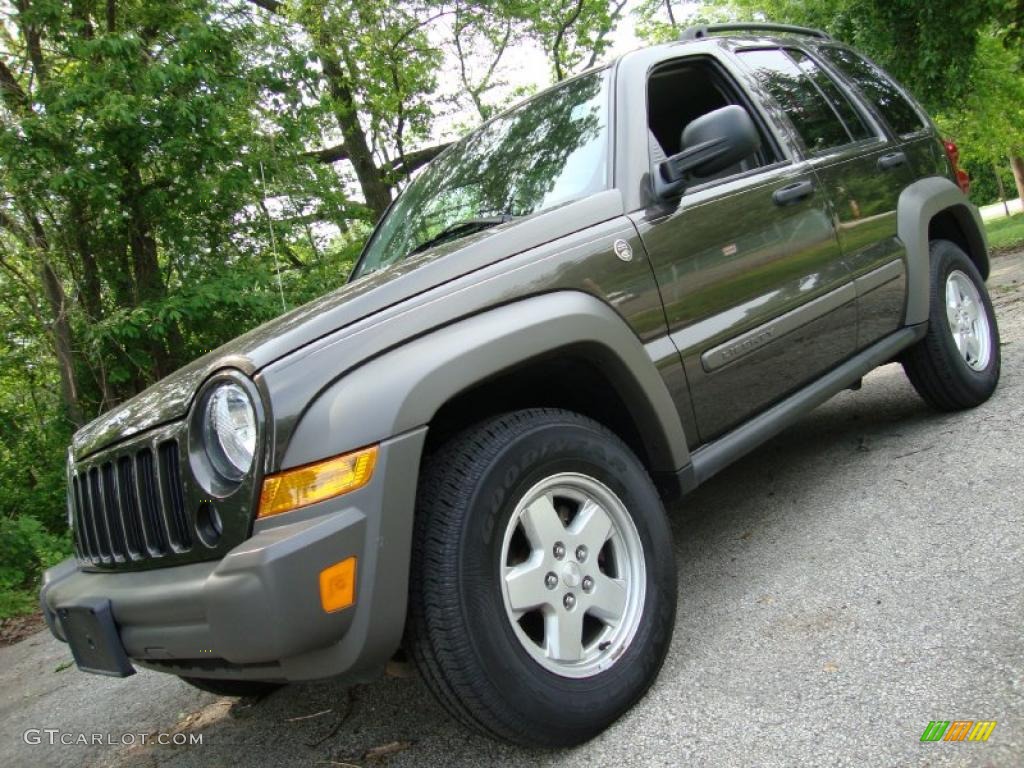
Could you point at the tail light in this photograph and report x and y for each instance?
(963, 180)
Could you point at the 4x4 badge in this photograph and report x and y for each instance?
(622, 250)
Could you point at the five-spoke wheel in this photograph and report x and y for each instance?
(968, 321)
(572, 574)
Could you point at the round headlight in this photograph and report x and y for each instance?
(229, 431)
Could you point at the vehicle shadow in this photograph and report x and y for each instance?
(394, 719)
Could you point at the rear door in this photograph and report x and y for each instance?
(906, 122)
(863, 179)
(756, 295)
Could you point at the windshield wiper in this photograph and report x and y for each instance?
(461, 229)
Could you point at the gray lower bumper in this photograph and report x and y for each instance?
(256, 613)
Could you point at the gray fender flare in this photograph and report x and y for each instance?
(402, 389)
(918, 203)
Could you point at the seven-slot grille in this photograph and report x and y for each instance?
(131, 507)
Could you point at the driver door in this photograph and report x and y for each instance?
(757, 298)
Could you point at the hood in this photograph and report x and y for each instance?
(170, 398)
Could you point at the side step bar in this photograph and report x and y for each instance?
(710, 459)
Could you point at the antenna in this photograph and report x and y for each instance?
(273, 239)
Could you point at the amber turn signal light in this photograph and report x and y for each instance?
(338, 585)
(302, 486)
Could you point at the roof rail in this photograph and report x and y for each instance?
(706, 30)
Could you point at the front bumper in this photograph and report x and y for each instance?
(256, 613)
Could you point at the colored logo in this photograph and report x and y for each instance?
(958, 730)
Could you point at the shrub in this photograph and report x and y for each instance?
(26, 549)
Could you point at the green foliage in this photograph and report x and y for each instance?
(388, 66)
(27, 549)
(33, 524)
(574, 33)
(141, 158)
(35, 437)
(930, 46)
(988, 122)
(984, 186)
(18, 602)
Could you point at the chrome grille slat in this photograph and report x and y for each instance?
(149, 503)
(112, 512)
(131, 507)
(82, 537)
(174, 499)
(90, 528)
(99, 519)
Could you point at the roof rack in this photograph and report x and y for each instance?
(706, 30)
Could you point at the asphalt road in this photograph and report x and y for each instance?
(841, 587)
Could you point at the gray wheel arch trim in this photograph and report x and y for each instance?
(918, 204)
(403, 388)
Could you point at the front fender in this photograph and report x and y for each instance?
(402, 389)
(918, 204)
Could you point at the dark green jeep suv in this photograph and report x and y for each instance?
(572, 317)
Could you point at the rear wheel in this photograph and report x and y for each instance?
(543, 583)
(956, 365)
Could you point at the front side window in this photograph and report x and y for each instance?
(891, 104)
(551, 150)
(679, 92)
(815, 119)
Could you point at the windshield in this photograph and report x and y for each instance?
(551, 150)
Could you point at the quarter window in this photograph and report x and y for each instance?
(814, 118)
(873, 83)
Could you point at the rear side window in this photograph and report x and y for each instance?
(836, 98)
(891, 104)
(791, 84)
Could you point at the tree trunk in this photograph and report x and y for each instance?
(60, 327)
(149, 283)
(91, 297)
(375, 188)
(60, 333)
(1017, 163)
(1001, 188)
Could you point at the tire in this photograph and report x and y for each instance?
(253, 688)
(944, 376)
(516, 684)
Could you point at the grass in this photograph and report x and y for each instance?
(18, 602)
(1007, 233)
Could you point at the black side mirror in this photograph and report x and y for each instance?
(710, 144)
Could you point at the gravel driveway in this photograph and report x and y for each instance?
(839, 588)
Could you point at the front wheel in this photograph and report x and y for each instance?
(543, 583)
(956, 365)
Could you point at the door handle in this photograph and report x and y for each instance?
(793, 193)
(892, 160)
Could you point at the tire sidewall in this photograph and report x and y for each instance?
(569, 704)
(947, 258)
